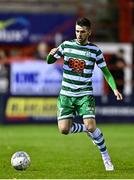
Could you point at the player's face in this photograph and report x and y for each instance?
(82, 34)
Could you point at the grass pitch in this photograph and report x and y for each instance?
(56, 156)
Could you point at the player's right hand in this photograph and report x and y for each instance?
(53, 51)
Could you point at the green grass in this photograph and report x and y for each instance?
(56, 156)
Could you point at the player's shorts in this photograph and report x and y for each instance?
(83, 106)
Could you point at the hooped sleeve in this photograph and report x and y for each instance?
(109, 78)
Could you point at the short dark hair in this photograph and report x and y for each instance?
(84, 22)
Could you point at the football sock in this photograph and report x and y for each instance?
(77, 127)
(98, 139)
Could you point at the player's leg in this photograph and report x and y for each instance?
(64, 125)
(87, 110)
(98, 139)
(77, 128)
(65, 114)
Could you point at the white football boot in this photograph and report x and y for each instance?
(108, 165)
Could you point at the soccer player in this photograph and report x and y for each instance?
(76, 95)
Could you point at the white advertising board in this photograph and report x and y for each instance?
(35, 78)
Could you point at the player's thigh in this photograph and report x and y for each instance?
(87, 111)
(65, 108)
(64, 125)
(90, 124)
(86, 107)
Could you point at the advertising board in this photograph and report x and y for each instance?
(35, 78)
(31, 109)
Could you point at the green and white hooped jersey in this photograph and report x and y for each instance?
(79, 61)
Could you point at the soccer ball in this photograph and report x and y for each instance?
(20, 160)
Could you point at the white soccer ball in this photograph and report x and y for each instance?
(20, 160)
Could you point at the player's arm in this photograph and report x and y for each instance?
(50, 57)
(109, 78)
(55, 53)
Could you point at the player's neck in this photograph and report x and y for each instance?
(83, 43)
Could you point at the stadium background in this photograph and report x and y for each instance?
(26, 80)
(29, 87)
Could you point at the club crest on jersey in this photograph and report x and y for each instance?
(88, 53)
(77, 65)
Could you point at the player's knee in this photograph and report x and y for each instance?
(64, 126)
(90, 124)
(91, 128)
(64, 131)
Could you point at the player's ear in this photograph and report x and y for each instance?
(90, 32)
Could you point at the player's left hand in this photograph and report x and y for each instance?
(118, 94)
